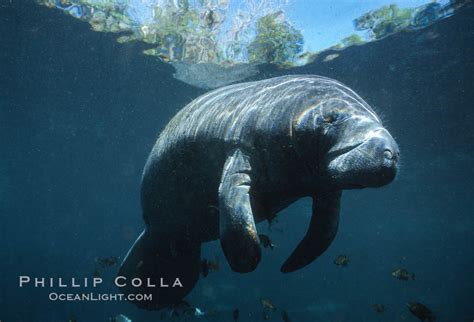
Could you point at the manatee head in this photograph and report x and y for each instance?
(343, 141)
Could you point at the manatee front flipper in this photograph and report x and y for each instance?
(320, 234)
(238, 234)
(157, 258)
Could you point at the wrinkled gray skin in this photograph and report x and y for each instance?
(240, 154)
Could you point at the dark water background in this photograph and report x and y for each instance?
(79, 114)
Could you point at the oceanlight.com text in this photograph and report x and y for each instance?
(98, 297)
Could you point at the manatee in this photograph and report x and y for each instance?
(240, 154)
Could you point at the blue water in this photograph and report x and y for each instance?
(79, 114)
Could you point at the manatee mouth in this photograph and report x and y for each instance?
(334, 154)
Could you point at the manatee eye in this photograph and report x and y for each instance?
(335, 118)
(329, 119)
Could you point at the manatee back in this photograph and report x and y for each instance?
(236, 113)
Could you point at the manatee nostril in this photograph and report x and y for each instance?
(388, 154)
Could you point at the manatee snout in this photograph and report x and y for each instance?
(382, 158)
(371, 163)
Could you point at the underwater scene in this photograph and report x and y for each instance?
(236, 160)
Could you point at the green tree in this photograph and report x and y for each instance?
(276, 41)
(385, 20)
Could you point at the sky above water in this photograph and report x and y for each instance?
(325, 22)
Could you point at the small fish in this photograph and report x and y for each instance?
(235, 314)
(271, 219)
(265, 315)
(207, 266)
(198, 312)
(284, 316)
(72, 319)
(182, 308)
(421, 311)
(97, 272)
(403, 274)
(267, 304)
(212, 312)
(214, 264)
(204, 268)
(265, 241)
(213, 209)
(104, 262)
(341, 260)
(379, 308)
(120, 318)
(139, 264)
(186, 309)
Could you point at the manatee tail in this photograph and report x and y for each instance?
(155, 262)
